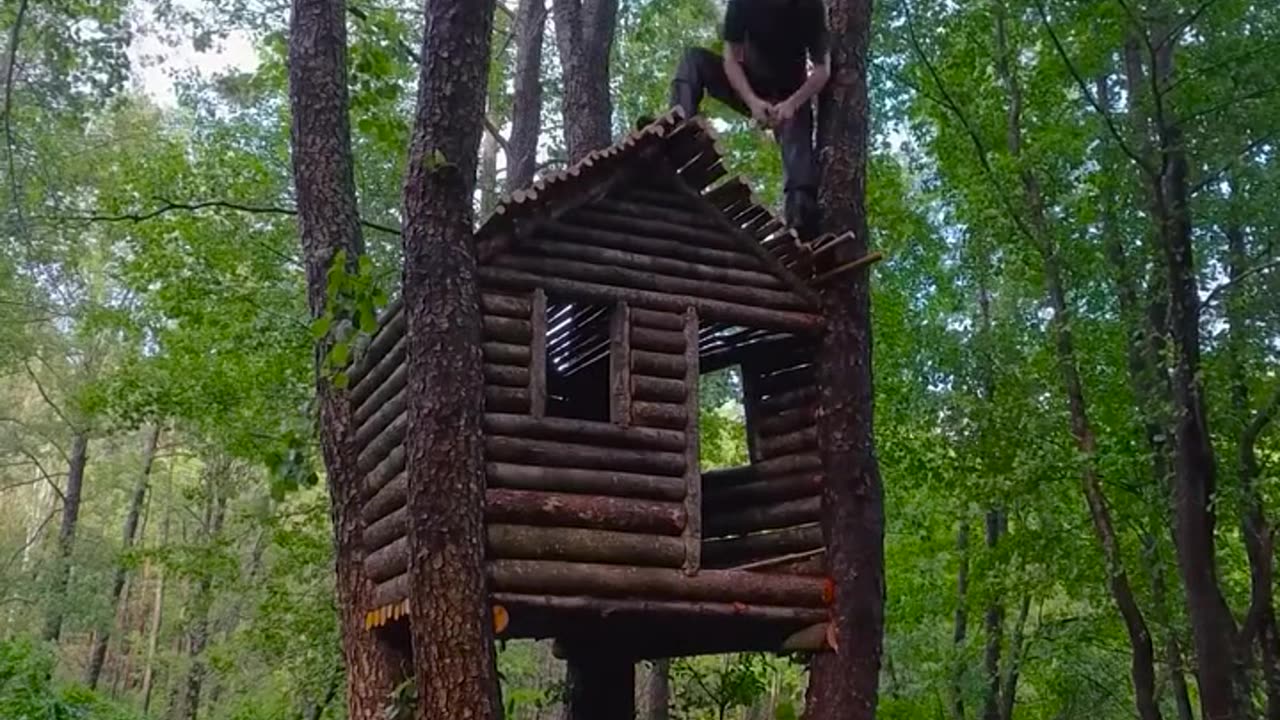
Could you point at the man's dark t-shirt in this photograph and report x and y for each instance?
(778, 35)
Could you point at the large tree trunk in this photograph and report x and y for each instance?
(584, 34)
(526, 104)
(67, 535)
(1213, 629)
(845, 683)
(99, 653)
(1142, 669)
(450, 617)
(329, 222)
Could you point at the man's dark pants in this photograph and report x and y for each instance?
(701, 72)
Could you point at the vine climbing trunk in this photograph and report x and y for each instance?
(584, 34)
(845, 683)
(329, 223)
(98, 655)
(67, 534)
(450, 618)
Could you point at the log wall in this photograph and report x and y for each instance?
(766, 514)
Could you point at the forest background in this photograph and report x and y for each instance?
(165, 548)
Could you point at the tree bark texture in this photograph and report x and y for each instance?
(450, 620)
(329, 222)
(67, 534)
(845, 683)
(99, 653)
(584, 34)
(526, 103)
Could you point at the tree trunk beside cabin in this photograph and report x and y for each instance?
(328, 222)
(450, 617)
(584, 34)
(845, 683)
(67, 534)
(99, 653)
(526, 102)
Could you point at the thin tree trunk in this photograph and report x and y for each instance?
(329, 224)
(845, 683)
(961, 626)
(450, 617)
(99, 652)
(67, 535)
(584, 34)
(526, 103)
(993, 624)
(1259, 621)
(1013, 664)
(202, 601)
(157, 616)
(1143, 663)
(1213, 629)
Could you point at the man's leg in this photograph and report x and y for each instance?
(800, 172)
(701, 72)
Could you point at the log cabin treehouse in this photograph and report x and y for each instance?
(607, 290)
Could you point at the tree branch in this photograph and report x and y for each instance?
(1084, 89)
(30, 541)
(10, 145)
(980, 147)
(1186, 22)
(1213, 177)
(49, 401)
(1245, 275)
(169, 206)
(1254, 95)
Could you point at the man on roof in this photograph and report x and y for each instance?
(764, 74)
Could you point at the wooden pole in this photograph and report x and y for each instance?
(620, 365)
(538, 355)
(693, 470)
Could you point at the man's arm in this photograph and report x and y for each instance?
(733, 56)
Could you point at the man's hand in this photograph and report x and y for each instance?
(761, 111)
(783, 112)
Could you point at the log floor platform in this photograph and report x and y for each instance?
(607, 291)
